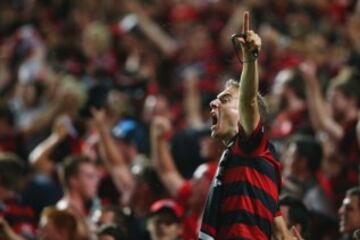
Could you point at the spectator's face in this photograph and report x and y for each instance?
(28, 95)
(87, 180)
(225, 114)
(349, 214)
(163, 226)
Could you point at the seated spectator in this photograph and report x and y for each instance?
(165, 220)
(349, 213)
(13, 176)
(59, 225)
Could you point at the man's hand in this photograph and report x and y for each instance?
(308, 71)
(160, 126)
(250, 42)
(63, 127)
(99, 118)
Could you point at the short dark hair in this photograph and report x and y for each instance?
(298, 213)
(111, 230)
(121, 217)
(310, 149)
(146, 173)
(71, 166)
(12, 168)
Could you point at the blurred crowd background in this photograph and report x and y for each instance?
(104, 113)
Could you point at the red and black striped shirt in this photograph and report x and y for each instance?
(243, 198)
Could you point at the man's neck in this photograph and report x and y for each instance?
(75, 201)
(228, 139)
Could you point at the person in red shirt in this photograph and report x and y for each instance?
(243, 200)
(165, 220)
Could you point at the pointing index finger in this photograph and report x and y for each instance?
(246, 24)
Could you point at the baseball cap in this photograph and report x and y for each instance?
(167, 204)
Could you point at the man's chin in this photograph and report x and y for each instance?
(216, 135)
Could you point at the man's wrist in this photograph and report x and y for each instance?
(249, 60)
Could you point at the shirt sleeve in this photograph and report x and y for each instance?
(254, 144)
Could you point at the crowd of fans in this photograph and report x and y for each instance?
(104, 113)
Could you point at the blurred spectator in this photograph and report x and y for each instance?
(303, 179)
(296, 215)
(13, 178)
(59, 225)
(110, 232)
(80, 181)
(135, 181)
(112, 217)
(349, 213)
(356, 234)
(165, 220)
(191, 194)
(288, 101)
(337, 120)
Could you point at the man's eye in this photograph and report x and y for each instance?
(225, 99)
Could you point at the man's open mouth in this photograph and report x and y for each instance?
(214, 119)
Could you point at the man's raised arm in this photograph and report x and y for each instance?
(248, 104)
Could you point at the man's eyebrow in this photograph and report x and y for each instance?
(223, 95)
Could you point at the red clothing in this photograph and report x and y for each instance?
(191, 221)
(19, 216)
(243, 199)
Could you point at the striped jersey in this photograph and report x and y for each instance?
(243, 198)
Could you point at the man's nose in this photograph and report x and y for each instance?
(214, 103)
